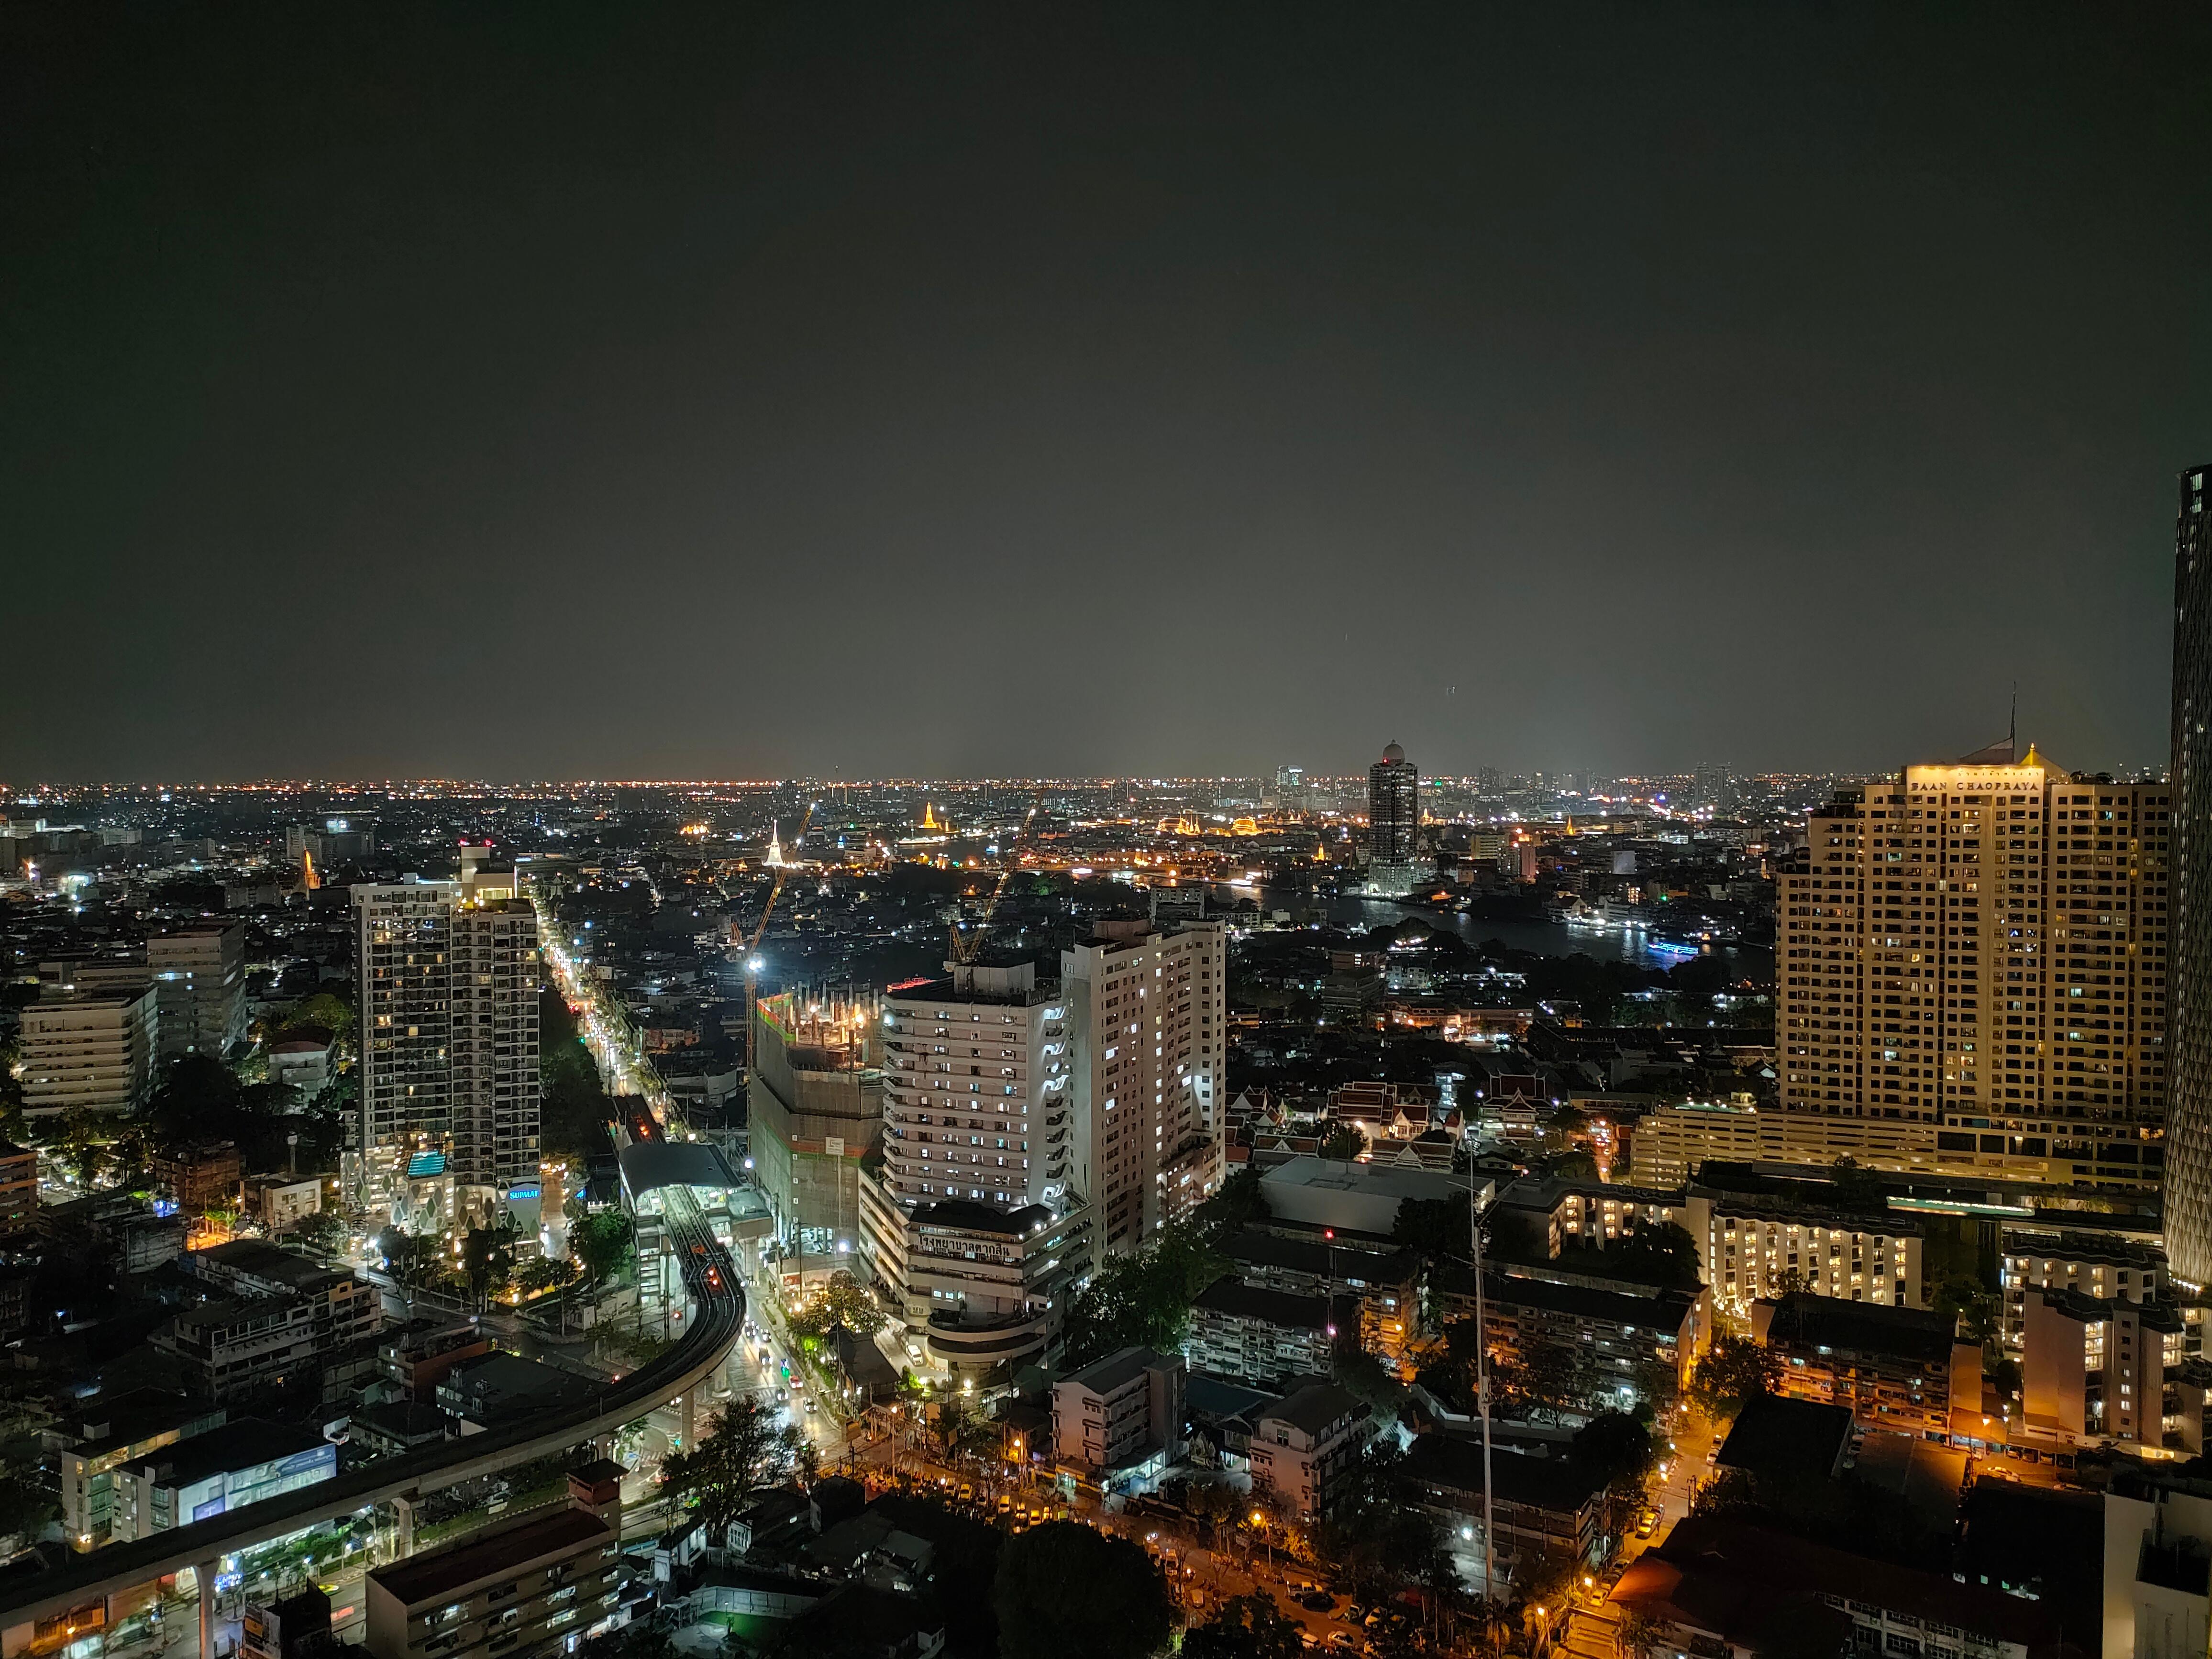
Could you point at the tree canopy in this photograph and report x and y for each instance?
(1246, 1627)
(1065, 1592)
(742, 1452)
(1732, 1373)
(1141, 1300)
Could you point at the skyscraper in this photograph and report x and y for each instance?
(1976, 954)
(1394, 808)
(448, 1035)
(2189, 1150)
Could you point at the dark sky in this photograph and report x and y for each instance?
(631, 391)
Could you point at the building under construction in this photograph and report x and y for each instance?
(816, 1107)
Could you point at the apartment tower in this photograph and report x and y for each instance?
(448, 1033)
(1146, 1011)
(199, 982)
(2189, 1179)
(1394, 808)
(1976, 954)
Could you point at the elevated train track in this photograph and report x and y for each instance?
(31, 1604)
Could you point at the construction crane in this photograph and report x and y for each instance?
(749, 950)
(968, 944)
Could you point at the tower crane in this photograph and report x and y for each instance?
(749, 950)
(968, 944)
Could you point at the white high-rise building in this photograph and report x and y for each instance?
(977, 1074)
(1147, 1013)
(449, 1031)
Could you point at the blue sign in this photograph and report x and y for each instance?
(213, 1506)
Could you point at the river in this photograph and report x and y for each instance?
(1545, 939)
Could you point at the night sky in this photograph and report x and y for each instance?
(634, 392)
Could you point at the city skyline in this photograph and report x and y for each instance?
(1535, 392)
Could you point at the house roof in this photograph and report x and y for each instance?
(1778, 1437)
(1314, 1407)
(1455, 1464)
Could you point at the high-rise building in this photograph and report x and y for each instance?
(493, 1005)
(815, 1108)
(1394, 808)
(2188, 1163)
(1979, 951)
(978, 1105)
(448, 1035)
(1147, 1015)
(91, 1051)
(1712, 788)
(199, 982)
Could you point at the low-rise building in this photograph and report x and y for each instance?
(1752, 1244)
(109, 1434)
(418, 1356)
(1733, 1591)
(303, 1062)
(1119, 1420)
(18, 1187)
(2100, 1263)
(1560, 1210)
(1386, 1282)
(2099, 1368)
(518, 1593)
(1304, 1447)
(1542, 1507)
(1266, 1336)
(499, 1387)
(1628, 1343)
(1900, 1369)
(200, 1178)
(280, 1201)
(225, 1469)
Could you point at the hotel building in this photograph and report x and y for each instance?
(1976, 954)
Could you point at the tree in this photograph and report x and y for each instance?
(1730, 1373)
(1433, 1228)
(1342, 1142)
(1141, 1300)
(487, 1260)
(1246, 1627)
(1539, 1380)
(1065, 1592)
(542, 1273)
(742, 1452)
(1615, 1447)
(844, 1301)
(601, 1241)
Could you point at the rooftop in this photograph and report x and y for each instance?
(1105, 1376)
(970, 1217)
(437, 1577)
(1316, 1257)
(1791, 1438)
(1455, 1464)
(1382, 1181)
(245, 1445)
(649, 1165)
(1314, 1407)
(1827, 1321)
(1661, 1310)
(1236, 1300)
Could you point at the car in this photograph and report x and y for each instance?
(967, 1491)
(1647, 1523)
(1318, 1601)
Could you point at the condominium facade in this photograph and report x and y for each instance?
(448, 1034)
(978, 1086)
(1976, 955)
(2189, 1178)
(1394, 808)
(1148, 1019)
(199, 982)
(90, 1052)
(494, 1045)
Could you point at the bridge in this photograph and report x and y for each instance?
(37, 1613)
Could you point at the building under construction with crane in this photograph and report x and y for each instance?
(816, 1104)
